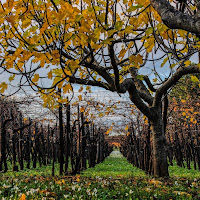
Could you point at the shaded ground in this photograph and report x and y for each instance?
(115, 178)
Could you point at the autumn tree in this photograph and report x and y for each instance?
(51, 44)
(187, 88)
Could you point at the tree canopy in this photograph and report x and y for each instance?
(104, 44)
(97, 43)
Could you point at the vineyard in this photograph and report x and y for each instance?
(74, 152)
(26, 141)
(99, 99)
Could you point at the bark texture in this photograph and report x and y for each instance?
(160, 164)
(175, 19)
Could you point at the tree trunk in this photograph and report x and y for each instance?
(160, 163)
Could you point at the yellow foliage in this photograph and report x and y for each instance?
(194, 79)
(80, 97)
(12, 77)
(188, 62)
(3, 87)
(100, 114)
(82, 109)
(153, 181)
(149, 44)
(66, 34)
(23, 197)
(50, 75)
(183, 113)
(36, 78)
(108, 131)
(67, 88)
(116, 144)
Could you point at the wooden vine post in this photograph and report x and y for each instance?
(61, 138)
(67, 140)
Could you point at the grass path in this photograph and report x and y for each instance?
(115, 178)
(114, 166)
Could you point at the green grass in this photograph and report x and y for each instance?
(115, 178)
(182, 172)
(38, 171)
(113, 166)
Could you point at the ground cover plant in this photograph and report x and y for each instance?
(115, 178)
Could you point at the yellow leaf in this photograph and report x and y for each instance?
(11, 19)
(23, 197)
(183, 113)
(182, 33)
(36, 78)
(194, 79)
(82, 109)
(101, 114)
(50, 75)
(78, 179)
(149, 44)
(187, 63)
(155, 79)
(88, 88)
(126, 128)
(55, 53)
(67, 88)
(108, 131)
(156, 182)
(80, 97)
(80, 90)
(172, 65)
(138, 60)
(131, 58)
(12, 77)
(122, 53)
(164, 61)
(3, 86)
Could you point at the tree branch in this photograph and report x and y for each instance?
(175, 19)
(149, 84)
(114, 65)
(129, 85)
(173, 80)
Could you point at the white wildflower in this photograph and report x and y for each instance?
(66, 196)
(73, 187)
(95, 190)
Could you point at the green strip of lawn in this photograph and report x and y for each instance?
(114, 166)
